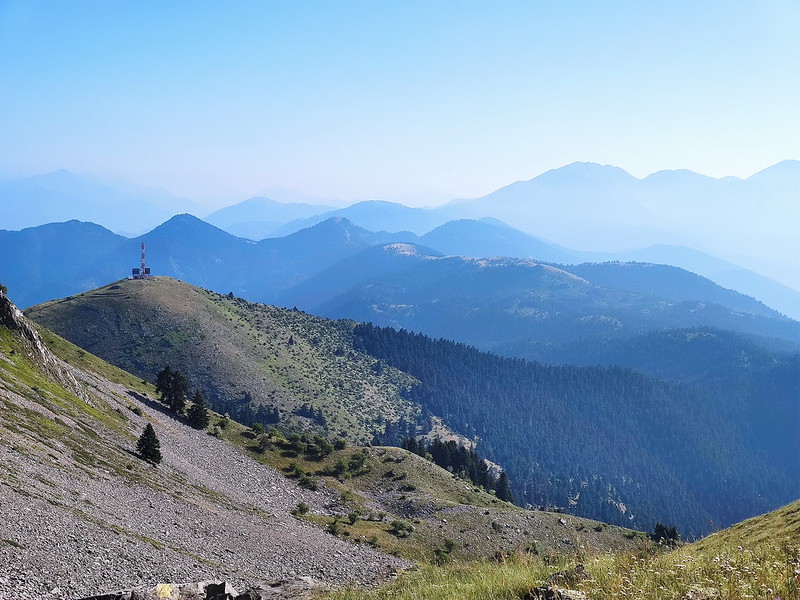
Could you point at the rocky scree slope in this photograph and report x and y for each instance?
(80, 513)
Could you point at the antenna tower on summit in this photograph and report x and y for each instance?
(143, 272)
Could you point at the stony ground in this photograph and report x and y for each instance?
(68, 529)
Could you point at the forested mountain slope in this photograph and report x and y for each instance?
(690, 355)
(754, 380)
(489, 302)
(379, 261)
(605, 441)
(673, 284)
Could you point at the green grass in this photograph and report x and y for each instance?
(394, 484)
(21, 374)
(78, 357)
(781, 526)
(757, 559)
(55, 419)
(469, 580)
(768, 572)
(283, 358)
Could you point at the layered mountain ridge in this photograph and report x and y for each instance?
(588, 206)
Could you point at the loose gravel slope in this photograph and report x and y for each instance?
(80, 513)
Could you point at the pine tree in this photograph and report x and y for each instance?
(148, 446)
(198, 413)
(503, 488)
(173, 388)
(665, 535)
(163, 380)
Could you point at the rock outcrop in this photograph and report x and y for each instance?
(12, 319)
(553, 593)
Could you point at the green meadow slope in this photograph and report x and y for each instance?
(758, 558)
(242, 355)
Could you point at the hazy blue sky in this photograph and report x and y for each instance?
(406, 100)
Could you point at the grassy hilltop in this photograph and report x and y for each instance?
(239, 353)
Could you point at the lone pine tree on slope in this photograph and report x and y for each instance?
(173, 388)
(148, 446)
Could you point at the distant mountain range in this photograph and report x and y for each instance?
(584, 206)
(487, 302)
(258, 218)
(594, 207)
(591, 207)
(304, 268)
(377, 216)
(63, 196)
(64, 258)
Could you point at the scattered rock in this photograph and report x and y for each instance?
(201, 590)
(300, 588)
(701, 594)
(294, 589)
(568, 577)
(553, 593)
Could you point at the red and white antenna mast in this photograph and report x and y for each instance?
(142, 272)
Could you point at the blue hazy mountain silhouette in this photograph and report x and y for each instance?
(586, 207)
(259, 217)
(491, 302)
(376, 215)
(65, 196)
